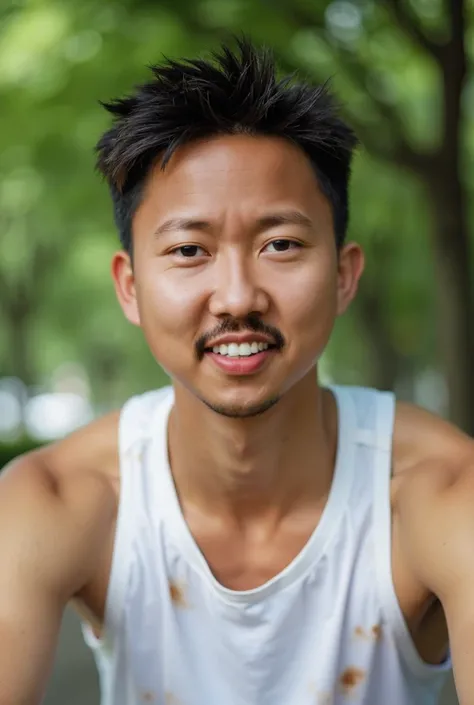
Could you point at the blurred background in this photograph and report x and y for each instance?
(401, 69)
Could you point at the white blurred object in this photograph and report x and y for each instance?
(71, 378)
(431, 392)
(344, 21)
(10, 414)
(52, 416)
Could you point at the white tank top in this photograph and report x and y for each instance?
(327, 630)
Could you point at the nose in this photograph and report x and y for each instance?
(237, 291)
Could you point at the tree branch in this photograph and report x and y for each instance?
(454, 74)
(412, 28)
(398, 148)
(397, 151)
(457, 10)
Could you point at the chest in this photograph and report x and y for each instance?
(247, 560)
(315, 636)
(241, 563)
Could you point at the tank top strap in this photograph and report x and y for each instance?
(136, 418)
(382, 518)
(134, 431)
(373, 426)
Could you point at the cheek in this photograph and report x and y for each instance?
(310, 302)
(168, 304)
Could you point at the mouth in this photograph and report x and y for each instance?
(240, 350)
(241, 359)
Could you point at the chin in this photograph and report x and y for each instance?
(241, 410)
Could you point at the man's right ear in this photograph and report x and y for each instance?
(124, 281)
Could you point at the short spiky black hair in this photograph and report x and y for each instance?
(237, 92)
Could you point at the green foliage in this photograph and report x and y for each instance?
(58, 59)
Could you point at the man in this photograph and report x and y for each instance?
(245, 536)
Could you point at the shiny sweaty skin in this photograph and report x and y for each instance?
(234, 229)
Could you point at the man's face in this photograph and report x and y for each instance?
(234, 251)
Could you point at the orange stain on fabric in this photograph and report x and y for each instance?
(350, 679)
(360, 633)
(377, 631)
(374, 633)
(177, 594)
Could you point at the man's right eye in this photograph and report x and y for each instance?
(188, 251)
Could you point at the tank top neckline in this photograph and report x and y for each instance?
(315, 547)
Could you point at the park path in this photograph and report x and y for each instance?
(74, 680)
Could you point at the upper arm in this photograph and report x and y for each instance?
(434, 504)
(51, 522)
(437, 533)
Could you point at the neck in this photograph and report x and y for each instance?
(266, 463)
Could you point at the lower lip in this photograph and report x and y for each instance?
(240, 365)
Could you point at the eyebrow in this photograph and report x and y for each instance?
(284, 218)
(181, 224)
(265, 222)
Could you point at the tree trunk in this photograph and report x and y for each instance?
(451, 234)
(455, 302)
(19, 302)
(385, 362)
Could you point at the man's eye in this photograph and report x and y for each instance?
(189, 251)
(282, 245)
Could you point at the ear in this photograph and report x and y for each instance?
(350, 267)
(124, 281)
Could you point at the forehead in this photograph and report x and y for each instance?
(240, 174)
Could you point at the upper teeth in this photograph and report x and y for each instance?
(244, 349)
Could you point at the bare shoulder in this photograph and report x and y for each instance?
(56, 510)
(422, 438)
(56, 502)
(434, 497)
(90, 449)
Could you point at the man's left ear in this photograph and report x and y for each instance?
(350, 267)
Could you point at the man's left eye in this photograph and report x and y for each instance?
(282, 245)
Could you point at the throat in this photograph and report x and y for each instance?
(254, 467)
(241, 482)
(252, 491)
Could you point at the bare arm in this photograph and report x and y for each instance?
(437, 529)
(51, 521)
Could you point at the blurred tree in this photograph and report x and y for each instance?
(400, 70)
(56, 298)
